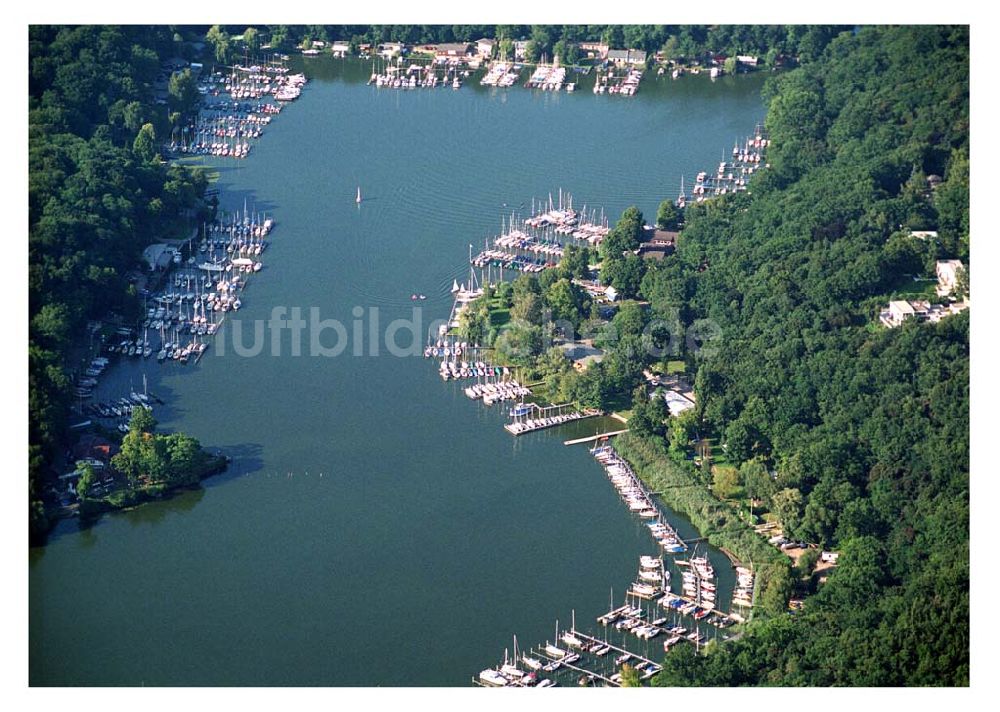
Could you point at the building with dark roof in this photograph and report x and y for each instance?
(657, 244)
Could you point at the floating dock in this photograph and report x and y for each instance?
(542, 421)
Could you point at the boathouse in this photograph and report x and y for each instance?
(626, 57)
(452, 49)
(340, 49)
(95, 448)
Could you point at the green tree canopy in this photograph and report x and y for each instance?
(183, 91)
(144, 145)
(668, 216)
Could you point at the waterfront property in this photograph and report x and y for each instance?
(657, 244)
(626, 57)
(583, 354)
(902, 310)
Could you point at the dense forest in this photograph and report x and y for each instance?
(97, 195)
(857, 437)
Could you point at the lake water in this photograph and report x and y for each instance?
(376, 527)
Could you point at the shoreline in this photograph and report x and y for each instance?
(89, 511)
(251, 233)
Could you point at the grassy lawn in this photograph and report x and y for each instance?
(212, 173)
(498, 316)
(718, 455)
(675, 367)
(908, 288)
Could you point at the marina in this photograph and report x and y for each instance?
(517, 249)
(384, 510)
(732, 175)
(586, 660)
(637, 498)
(615, 82)
(501, 74)
(538, 242)
(194, 286)
(549, 77)
(531, 417)
(414, 75)
(626, 638)
(184, 313)
(237, 108)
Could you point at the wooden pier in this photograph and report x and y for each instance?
(733, 559)
(640, 658)
(588, 673)
(593, 438)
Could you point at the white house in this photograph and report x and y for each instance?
(595, 49)
(898, 312)
(340, 49)
(948, 272)
(388, 50)
(626, 57)
(920, 309)
(485, 47)
(676, 402)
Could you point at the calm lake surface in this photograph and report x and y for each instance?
(376, 527)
